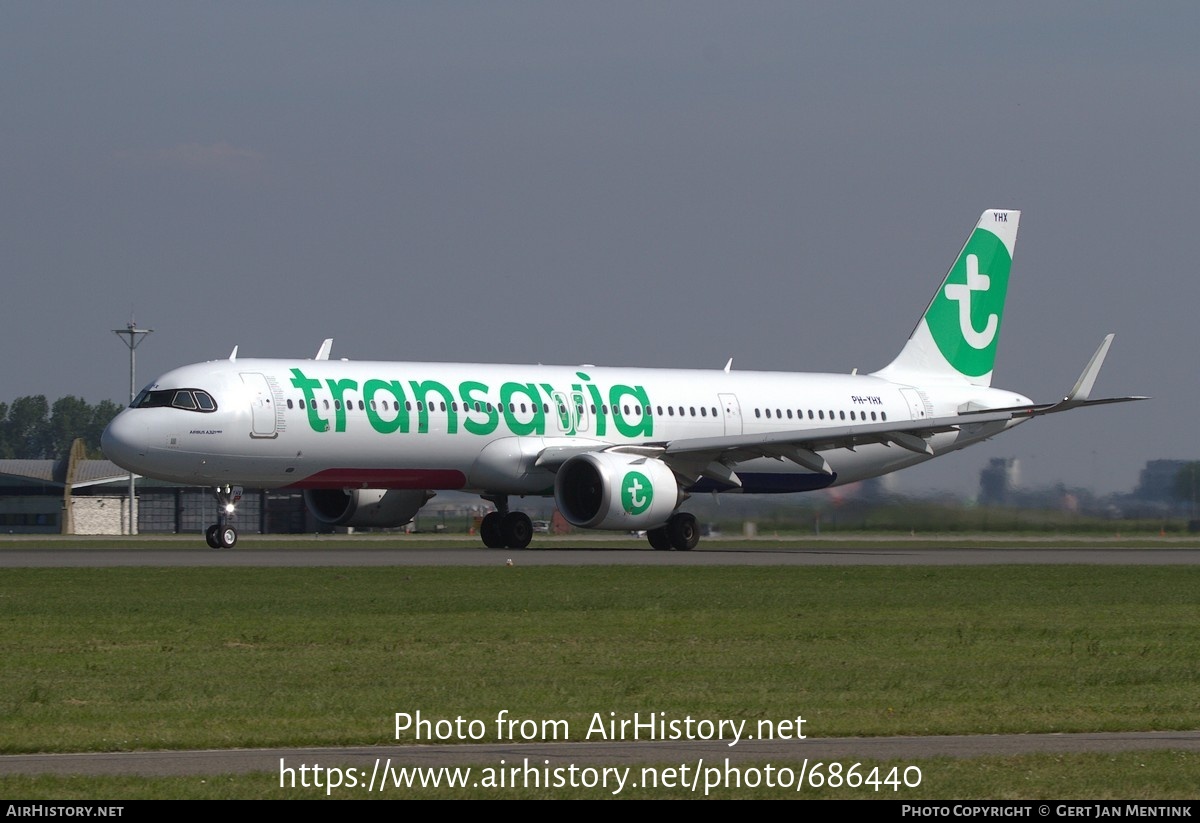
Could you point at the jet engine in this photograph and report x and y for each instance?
(610, 490)
(381, 508)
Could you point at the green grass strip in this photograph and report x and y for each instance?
(125, 658)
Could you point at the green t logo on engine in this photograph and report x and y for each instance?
(636, 493)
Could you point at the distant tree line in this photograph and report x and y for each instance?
(31, 428)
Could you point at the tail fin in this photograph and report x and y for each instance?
(957, 336)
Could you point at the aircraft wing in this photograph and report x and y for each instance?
(696, 457)
(713, 456)
(1078, 397)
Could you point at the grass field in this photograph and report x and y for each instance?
(119, 659)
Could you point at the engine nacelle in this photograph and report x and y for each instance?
(610, 490)
(380, 508)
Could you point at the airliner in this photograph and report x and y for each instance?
(370, 442)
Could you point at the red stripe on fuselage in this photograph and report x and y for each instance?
(383, 479)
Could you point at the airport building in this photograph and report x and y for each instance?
(92, 497)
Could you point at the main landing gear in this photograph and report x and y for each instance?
(503, 529)
(222, 535)
(681, 534)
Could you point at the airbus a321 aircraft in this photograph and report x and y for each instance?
(369, 442)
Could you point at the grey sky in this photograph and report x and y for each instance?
(663, 184)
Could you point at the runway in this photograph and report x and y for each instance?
(14, 558)
(846, 749)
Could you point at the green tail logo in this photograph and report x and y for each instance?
(964, 318)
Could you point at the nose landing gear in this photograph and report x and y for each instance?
(222, 535)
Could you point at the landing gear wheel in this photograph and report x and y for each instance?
(517, 530)
(659, 539)
(683, 532)
(222, 535)
(489, 530)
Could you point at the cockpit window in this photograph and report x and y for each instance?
(187, 399)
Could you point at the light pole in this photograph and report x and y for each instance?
(131, 335)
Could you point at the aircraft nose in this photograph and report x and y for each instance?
(124, 441)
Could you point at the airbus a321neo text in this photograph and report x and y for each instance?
(369, 442)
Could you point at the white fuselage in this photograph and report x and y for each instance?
(480, 427)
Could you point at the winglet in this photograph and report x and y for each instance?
(326, 347)
(233, 355)
(1080, 394)
(1083, 386)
